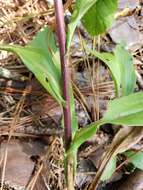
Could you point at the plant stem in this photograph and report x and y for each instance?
(61, 35)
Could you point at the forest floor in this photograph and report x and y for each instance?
(31, 151)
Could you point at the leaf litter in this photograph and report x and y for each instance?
(19, 22)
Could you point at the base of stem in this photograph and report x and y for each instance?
(70, 173)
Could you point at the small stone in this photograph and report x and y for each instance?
(132, 4)
(126, 30)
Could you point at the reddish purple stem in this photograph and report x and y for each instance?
(61, 35)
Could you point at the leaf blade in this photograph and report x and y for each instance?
(40, 62)
(84, 134)
(80, 9)
(121, 111)
(127, 70)
(103, 14)
(109, 169)
(135, 158)
(121, 67)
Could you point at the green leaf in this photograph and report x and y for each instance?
(73, 113)
(80, 9)
(121, 67)
(84, 134)
(109, 60)
(125, 138)
(41, 56)
(45, 39)
(109, 169)
(39, 59)
(127, 110)
(127, 71)
(136, 158)
(100, 16)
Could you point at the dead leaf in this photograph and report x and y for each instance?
(85, 168)
(124, 140)
(134, 182)
(19, 166)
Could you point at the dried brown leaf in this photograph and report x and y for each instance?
(124, 140)
(19, 166)
(134, 182)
